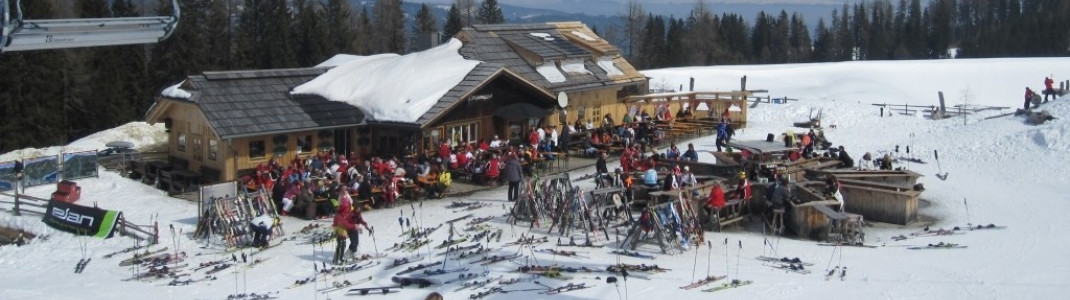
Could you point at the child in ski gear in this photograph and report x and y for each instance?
(1028, 97)
(1048, 90)
(742, 190)
(345, 225)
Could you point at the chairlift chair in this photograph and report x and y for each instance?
(19, 34)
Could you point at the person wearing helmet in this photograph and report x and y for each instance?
(742, 190)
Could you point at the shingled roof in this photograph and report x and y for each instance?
(258, 102)
(520, 48)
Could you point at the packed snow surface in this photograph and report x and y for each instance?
(1001, 171)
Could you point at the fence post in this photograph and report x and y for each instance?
(943, 108)
(15, 211)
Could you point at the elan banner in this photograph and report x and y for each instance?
(81, 220)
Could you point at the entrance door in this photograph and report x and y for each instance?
(342, 141)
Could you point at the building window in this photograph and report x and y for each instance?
(182, 141)
(432, 138)
(197, 154)
(213, 148)
(460, 134)
(304, 144)
(256, 149)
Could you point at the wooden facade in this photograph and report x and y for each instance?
(593, 74)
(879, 195)
(713, 102)
(227, 123)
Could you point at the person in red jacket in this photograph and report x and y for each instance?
(444, 153)
(1048, 90)
(493, 170)
(742, 190)
(345, 226)
(715, 202)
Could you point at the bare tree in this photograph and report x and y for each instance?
(468, 10)
(634, 17)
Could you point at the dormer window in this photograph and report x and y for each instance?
(574, 67)
(550, 72)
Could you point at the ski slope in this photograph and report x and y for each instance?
(1009, 173)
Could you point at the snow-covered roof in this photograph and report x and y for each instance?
(393, 88)
(175, 91)
(339, 59)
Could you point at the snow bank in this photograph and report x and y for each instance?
(144, 136)
(992, 82)
(393, 88)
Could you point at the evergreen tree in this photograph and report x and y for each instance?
(880, 31)
(733, 34)
(217, 35)
(490, 13)
(914, 31)
(940, 18)
(860, 27)
(845, 41)
(263, 34)
(364, 33)
(761, 39)
(425, 20)
(390, 26)
(823, 42)
(310, 34)
(454, 23)
(340, 27)
(34, 106)
(799, 40)
(652, 52)
(701, 38)
(780, 42)
(675, 52)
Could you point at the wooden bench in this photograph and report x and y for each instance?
(732, 212)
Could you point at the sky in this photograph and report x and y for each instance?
(1000, 171)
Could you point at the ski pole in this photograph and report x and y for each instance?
(709, 245)
(694, 266)
(738, 253)
(726, 270)
(371, 232)
(968, 223)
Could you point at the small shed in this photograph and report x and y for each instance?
(880, 201)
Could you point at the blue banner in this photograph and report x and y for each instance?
(7, 176)
(79, 165)
(41, 170)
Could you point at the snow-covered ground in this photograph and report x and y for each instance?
(1010, 173)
